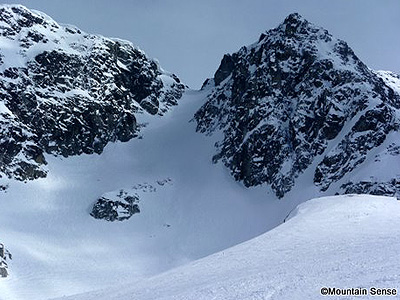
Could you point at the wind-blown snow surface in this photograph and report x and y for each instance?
(59, 249)
(342, 241)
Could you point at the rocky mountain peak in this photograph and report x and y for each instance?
(294, 43)
(294, 23)
(296, 98)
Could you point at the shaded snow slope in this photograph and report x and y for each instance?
(59, 249)
(343, 241)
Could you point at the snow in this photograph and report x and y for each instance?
(4, 109)
(59, 249)
(340, 241)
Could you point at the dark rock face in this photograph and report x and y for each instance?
(120, 207)
(390, 188)
(295, 95)
(66, 92)
(225, 69)
(369, 132)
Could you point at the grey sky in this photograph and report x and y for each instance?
(189, 38)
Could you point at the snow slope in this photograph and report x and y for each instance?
(342, 241)
(59, 249)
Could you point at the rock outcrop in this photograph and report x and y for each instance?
(4, 255)
(116, 207)
(122, 204)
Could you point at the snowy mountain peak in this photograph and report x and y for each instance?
(297, 99)
(67, 92)
(294, 24)
(16, 15)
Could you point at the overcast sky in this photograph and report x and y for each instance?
(189, 38)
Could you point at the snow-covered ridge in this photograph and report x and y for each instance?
(67, 92)
(30, 32)
(299, 99)
(326, 242)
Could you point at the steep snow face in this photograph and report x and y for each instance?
(344, 242)
(297, 97)
(67, 92)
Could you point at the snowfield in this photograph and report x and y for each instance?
(340, 242)
(59, 249)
